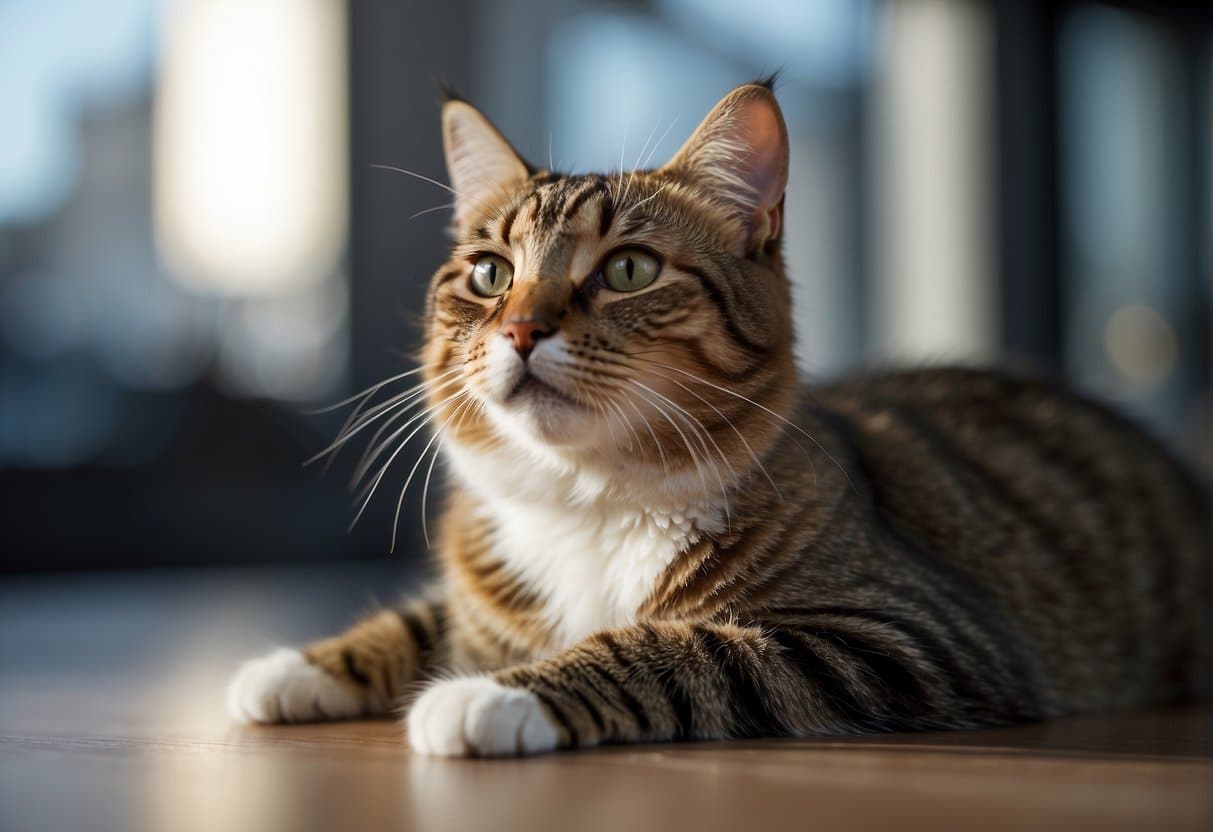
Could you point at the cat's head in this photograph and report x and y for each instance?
(632, 324)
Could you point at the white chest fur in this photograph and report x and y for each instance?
(594, 559)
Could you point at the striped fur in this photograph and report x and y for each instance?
(655, 532)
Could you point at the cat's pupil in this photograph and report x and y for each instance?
(493, 275)
(631, 267)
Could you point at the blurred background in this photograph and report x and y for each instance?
(196, 250)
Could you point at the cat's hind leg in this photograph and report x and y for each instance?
(362, 672)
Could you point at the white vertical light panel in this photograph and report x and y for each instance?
(250, 132)
(934, 295)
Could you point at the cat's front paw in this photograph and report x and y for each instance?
(284, 687)
(477, 717)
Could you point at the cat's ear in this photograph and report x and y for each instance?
(740, 153)
(480, 162)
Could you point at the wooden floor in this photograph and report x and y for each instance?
(111, 717)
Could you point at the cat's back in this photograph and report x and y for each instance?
(1067, 516)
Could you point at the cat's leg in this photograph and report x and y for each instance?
(666, 681)
(362, 672)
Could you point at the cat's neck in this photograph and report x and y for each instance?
(588, 546)
(508, 475)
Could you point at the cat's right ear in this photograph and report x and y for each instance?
(481, 164)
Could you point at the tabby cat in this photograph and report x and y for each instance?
(655, 531)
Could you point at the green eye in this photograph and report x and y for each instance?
(630, 269)
(491, 276)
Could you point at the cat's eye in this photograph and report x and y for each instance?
(491, 276)
(630, 269)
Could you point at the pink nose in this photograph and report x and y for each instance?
(524, 333)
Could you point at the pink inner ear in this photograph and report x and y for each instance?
(759, 129)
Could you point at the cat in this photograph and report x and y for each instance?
(654, 531)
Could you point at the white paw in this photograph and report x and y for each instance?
(284, 687)
(476, 717)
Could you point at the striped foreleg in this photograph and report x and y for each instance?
(665, 681)
(364, 671)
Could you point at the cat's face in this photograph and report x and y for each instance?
(630, 320)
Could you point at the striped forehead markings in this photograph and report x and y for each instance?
(594, 186)
(556, 201)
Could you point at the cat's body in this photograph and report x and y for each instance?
(655, 531)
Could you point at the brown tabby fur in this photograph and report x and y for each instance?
(940, 548)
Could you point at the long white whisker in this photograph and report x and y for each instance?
(623, 149)
(763, 408)
(382, 471)
(431, 210)
(415, 395)
(648, 198)
(656, 442)
(729, 422)
(416, 391)
(370, 417)
(618, 411)
(404, 490)
(652, 152)
(600, 411)
(368, 459)
(697, 424)
(377, 386)
(700, 432)
(425, 496)
(423, 178)
(416, 175)
(425, 489)
(632, 175)
(374, 448)
(648, 139)
(690, 450)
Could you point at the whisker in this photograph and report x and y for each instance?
(423, 178)
(370, 417)
(425, 489)
(374, 387)
(699, 431)
(368, 458)
(656, 442)
(415, 394)
(600, 411)
(690, 450)
(404, 490)
(701, 427)
(356, 422)
(373, 447)
(624, 421)
(648, 139)
(652, 152)
(425, 496)
(431, 210)
(430, 414)
(740, 436)
(624, 149)
(763, 408)
(374, 450)
(649, 198)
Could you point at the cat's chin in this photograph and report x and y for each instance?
(539, 414)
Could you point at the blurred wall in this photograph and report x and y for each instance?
(200, 241)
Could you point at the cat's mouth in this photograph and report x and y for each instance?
(531, 388)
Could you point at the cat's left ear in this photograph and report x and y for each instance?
(740, 152)
(481, 164)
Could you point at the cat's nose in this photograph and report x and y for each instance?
(524, 333)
